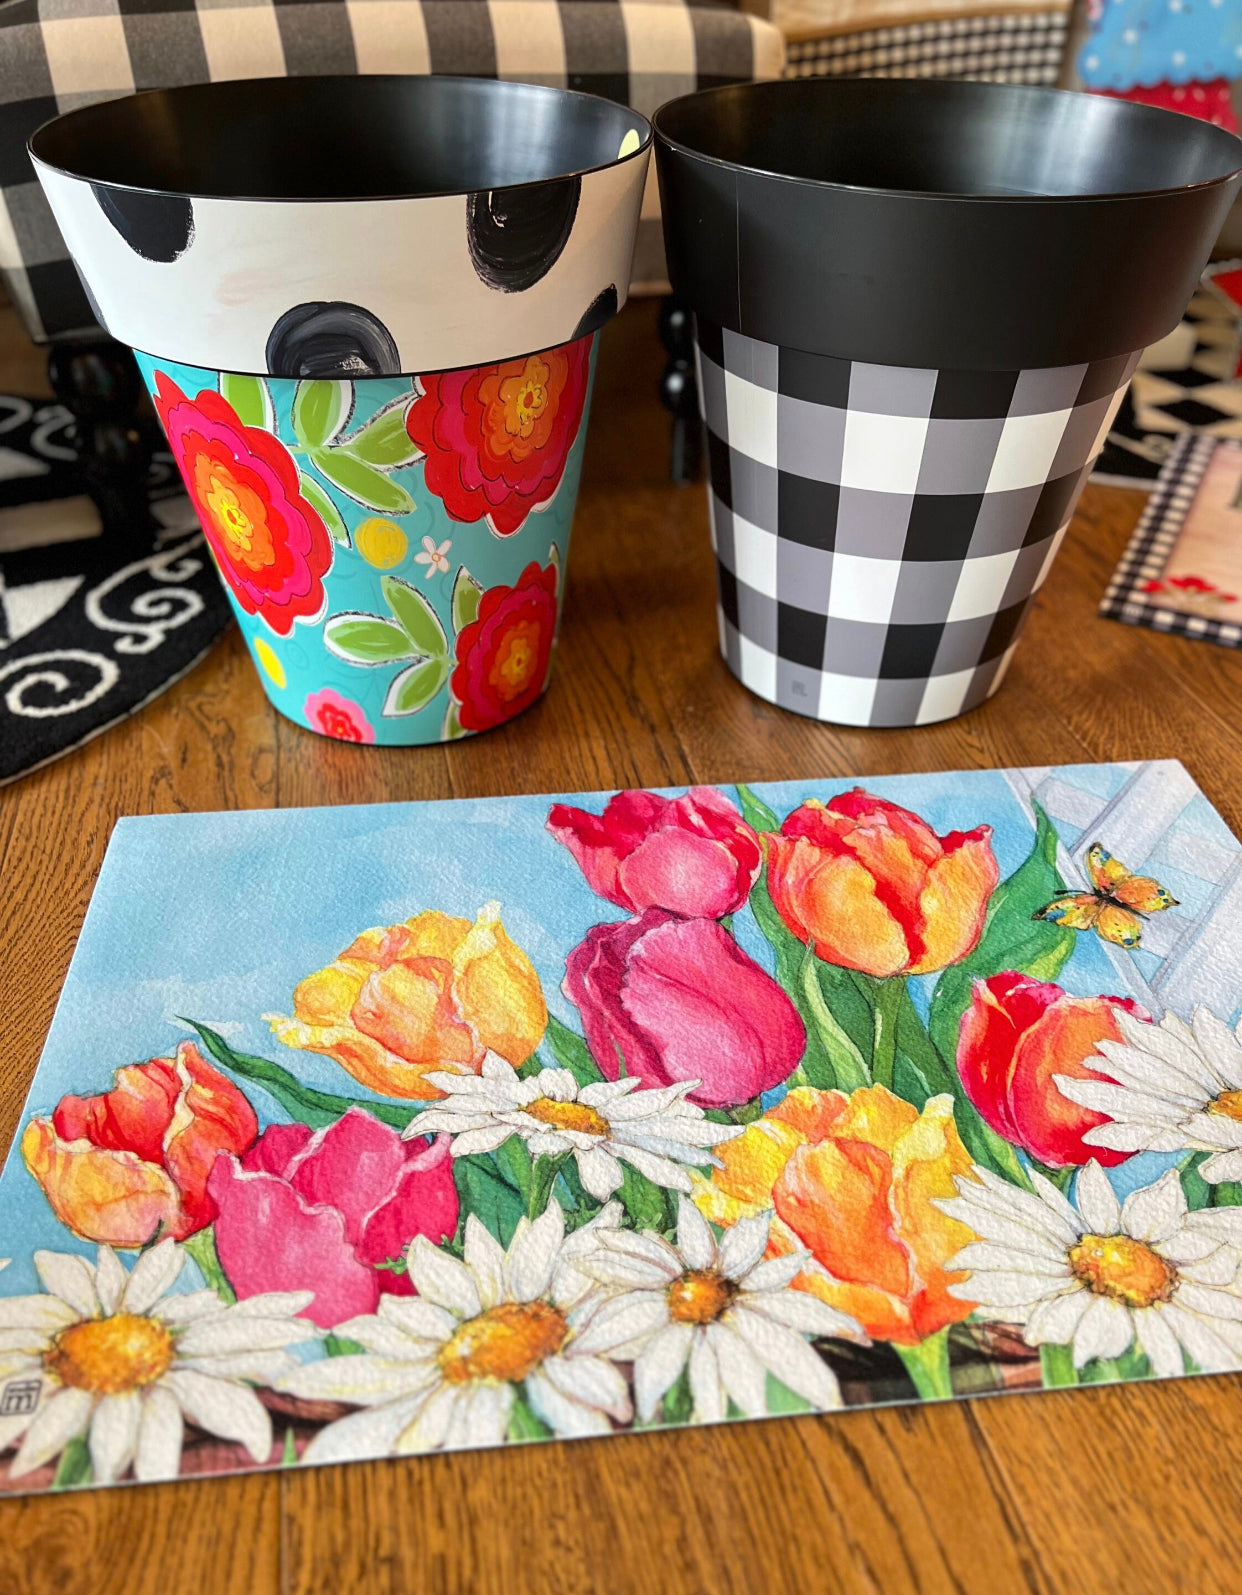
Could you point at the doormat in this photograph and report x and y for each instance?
(91, 627)
(398, 1129)
(1187, 382)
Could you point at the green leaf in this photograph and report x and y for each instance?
(289, 1451)
(384, 441)
(416, 686)
(362, 481)
(513, 1161)
(319, 499)
(781, 1399)
(492, 1200)
(202, 1248)
(452, 727)
(571, 1052)
(678, 1403)
(366, 639)
(249, 399)
(466, 595)
(909, 1082)
(849, 1069)
(523, 1423)
(646, 1203)
(320, 409)
(74, 1468)
(416, 617)
(1056, 1363)
(755, 811)
(1011, 938)
(816, 1063)
(304, 1103)
(342, 1346)
(544, 1171)
(1227, 1194)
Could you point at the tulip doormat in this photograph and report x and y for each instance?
(387, 1130)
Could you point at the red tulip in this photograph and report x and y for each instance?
(873, 887)
(326, 1209)
(693, 855)
(678, 999)
(1016, 1035)
(131, 1164)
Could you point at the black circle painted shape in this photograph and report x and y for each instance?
(331, 339)
(911, 223)
(516, 235)
(158, 227)
(601, 309)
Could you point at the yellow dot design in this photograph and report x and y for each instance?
(269, 661)
(381, 543)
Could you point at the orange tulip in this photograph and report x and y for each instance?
(433, 993)
(875, 889)
(131, 1164)
(854, 1180)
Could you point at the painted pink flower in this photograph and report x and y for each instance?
(678, 999)
(335, 716)
(325, 1210)
(693, 855)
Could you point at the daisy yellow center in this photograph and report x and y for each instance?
(1122, 1268)
(505, 1343)
(110, 1356)
(1228, 1104)
(567, 1116)
(700, 1296)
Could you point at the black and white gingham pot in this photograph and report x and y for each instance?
(881, 530)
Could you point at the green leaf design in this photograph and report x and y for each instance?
(74, 1467)
(466, 595)
(782, 1399)
(512, 1159)
(1011, 938)
(416, 686)
(321, 501)
(523, 1423)
(366, 639)
(414, 614)
(202, 1248)
(361, 481)
(1056, 1364)
(304, 1103)
(1227, 1194)
(554, 559)
(571, 1052)
(755, 811)
(342, 1346)
(452, 727)
(384, 441)
(846, 1063)
(482, 1191)
(678, 1403)
(320, 410)
(645, 1203)
(289, 1452)
(249, 399)
(791, 955)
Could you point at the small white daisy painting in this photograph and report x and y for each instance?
(401, 1129)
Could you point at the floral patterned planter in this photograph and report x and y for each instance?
(393, 548)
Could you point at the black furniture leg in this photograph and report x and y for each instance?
(99, 382)
(679, 391)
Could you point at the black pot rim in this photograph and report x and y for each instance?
(930, 87)
(497, 87)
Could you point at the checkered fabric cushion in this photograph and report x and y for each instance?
(58, 54)
(1009, 47)
(879, 530)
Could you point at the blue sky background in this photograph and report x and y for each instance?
(218, 916)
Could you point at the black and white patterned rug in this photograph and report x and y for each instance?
(91, 626)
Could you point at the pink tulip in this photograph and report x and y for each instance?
(321, 1210)
(693, 855)
(678, 999)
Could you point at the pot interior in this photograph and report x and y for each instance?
(339, 138)
(946, 138)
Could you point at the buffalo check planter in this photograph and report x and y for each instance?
(880, 530)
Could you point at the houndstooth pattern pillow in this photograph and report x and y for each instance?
(56, 55)
(1008, 47)
(880, 531)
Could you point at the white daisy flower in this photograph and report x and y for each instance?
(1178, 1087)
(721, 1309)
(442, 1370)
(1108, 1273)
(604, 1125)
(434, 557)
(115, 1357)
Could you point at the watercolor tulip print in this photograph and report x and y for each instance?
(541, 1118)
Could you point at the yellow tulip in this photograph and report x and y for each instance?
(433, 993)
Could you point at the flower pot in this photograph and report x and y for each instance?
(366, 309)
(918, 305)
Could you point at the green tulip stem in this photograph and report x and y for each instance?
(888, 995)
(543, 1178)
(928, 1366)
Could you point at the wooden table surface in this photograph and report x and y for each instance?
(1061, 1494)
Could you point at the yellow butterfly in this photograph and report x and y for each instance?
(1116, 907)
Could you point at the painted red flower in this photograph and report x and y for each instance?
(335, 716)
(504, 653)
(270, 543)
(496, 438)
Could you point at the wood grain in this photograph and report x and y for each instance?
(1058, 1494)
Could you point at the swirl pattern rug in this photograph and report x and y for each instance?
(92, 626)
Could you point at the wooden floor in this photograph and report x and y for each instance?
(1092, 1490)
